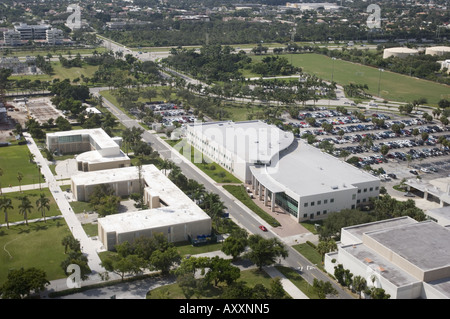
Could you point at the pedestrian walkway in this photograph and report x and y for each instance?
(71, 219)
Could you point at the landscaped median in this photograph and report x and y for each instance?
(239, 192)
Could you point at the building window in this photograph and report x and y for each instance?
(359, 191)
(354, 196)
(319, 202)
(364, 200)
(371, 189)
(318, 213)
(305, 205)
(332, 200)
(377, 188)
(353, 206)
(325, 211)
(325, 201)
(305, 215)
(365, 190)
(358, 201)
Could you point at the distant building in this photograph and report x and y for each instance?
(12, 38)
(399, 52)
(54, 36)
(304, 6)
(406, 258)
(98, 150)
(32, 32)
(439, 50)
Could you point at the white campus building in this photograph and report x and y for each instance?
(98, 150)
(301, 179)
(170, 211)
(406, 258)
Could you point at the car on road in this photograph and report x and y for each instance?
(413, 171)
(262, 228)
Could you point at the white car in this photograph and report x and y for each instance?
(425, 170)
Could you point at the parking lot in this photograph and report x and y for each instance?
(170, 113)
(414, 146)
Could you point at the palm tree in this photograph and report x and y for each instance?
(25, 207)
(42, 204)
(359, 284)
(5, 204)
(1, 174)
(19, 178)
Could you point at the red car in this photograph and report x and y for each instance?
(263, 228)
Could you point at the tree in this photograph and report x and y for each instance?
(164, 260)
(359, 285)
(264, 252)
(25, 207)
(42, 204)
(221, 270)
(131, 264)
(276, 289)
(234, 245)
(5, 205)
(323, 288)
(69, 242)
(22, 282)
(19, 178)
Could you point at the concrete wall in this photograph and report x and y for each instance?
(174, 233)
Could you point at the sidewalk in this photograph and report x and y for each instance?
(71, 219)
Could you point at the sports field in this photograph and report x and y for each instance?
(393, 86)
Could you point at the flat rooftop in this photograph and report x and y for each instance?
(306, 170)
(426, 244)
(359, 230)
(251, 141)
(101, 138)
(178, 207)
(376, 264)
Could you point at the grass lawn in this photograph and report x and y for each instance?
(37, 245)
(298, 281)
(251, 277)
(33, 196)
(14, 159)
(393, 86)
(60, 72)
(309, 253)
(91, 229)
(212, 169)
(241, 194)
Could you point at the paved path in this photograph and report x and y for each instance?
(87, 245)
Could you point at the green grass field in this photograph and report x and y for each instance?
(33, 195)
(38, 245)
(14, 159)
(251, 277)
(60, 72)
(54, 53)
(393, 86)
